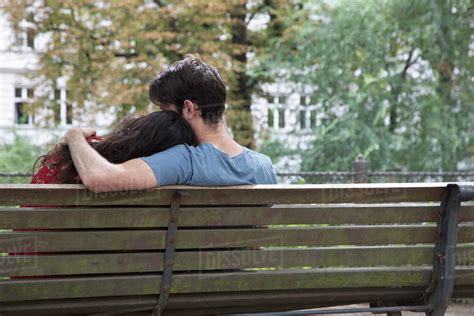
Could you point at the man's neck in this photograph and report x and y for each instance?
(219, 137)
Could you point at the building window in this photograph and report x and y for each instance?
(302, 100)
(270, 119)
(312, 119)
(30, 38)
(308, 99)
(57, 113)
(57, 106)
(281, 118)
(302, 119)
(21, 116)
(63, 110)
(68, 113)
(23, 98)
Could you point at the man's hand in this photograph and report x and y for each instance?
(85, 132)
(98, 174)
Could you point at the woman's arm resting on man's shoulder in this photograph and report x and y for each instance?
(98, 174)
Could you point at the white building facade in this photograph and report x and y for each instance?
(284, 115)
(17, 90)
(18, 117)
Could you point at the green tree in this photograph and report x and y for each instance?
(110, 50)
(18, 157)
(393, 80)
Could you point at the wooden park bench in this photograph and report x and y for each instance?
(192, 250)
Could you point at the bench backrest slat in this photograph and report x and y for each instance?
(151, 217)
(146, 262)
(36, 194)
(223, 238)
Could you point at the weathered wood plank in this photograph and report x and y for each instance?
(56, 288)
(82, 218)
(76, 264)
(465, 234)
(109, 240)
(212, 301)
(11, 194)
(137, 217)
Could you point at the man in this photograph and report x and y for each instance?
(197, 92)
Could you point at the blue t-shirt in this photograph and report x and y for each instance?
(205, 165)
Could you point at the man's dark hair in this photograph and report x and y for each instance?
(191, 79)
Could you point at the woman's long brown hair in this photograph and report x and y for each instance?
(135, 137)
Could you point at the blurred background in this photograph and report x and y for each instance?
(333, 91)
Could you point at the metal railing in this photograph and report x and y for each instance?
(374, 177)
(360, 173)
(15, 177)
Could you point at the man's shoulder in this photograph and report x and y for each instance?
(254, 155)
(181, 148)
(259, 156)
(262, 164)
(181, 151)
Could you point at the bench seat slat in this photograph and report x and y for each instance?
(253, 301)
(106, 240)
(217, 303)
(37, 194)
(214, 302)
(209, 282)
(83, 218)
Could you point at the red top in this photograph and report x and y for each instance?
(49, 172)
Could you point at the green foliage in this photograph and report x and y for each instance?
(393, 78)
(19, 156)
(393, 81)
(275, 149)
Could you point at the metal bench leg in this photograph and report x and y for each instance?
(385, 304)
(439, 291)
(169, 254)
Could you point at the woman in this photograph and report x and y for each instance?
(135, 137)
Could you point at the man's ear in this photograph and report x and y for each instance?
(189, 109)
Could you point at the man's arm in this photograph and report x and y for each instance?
(98, 174)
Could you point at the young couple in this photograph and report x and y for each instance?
(186, 143)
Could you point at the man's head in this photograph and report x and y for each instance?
(191, 87)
